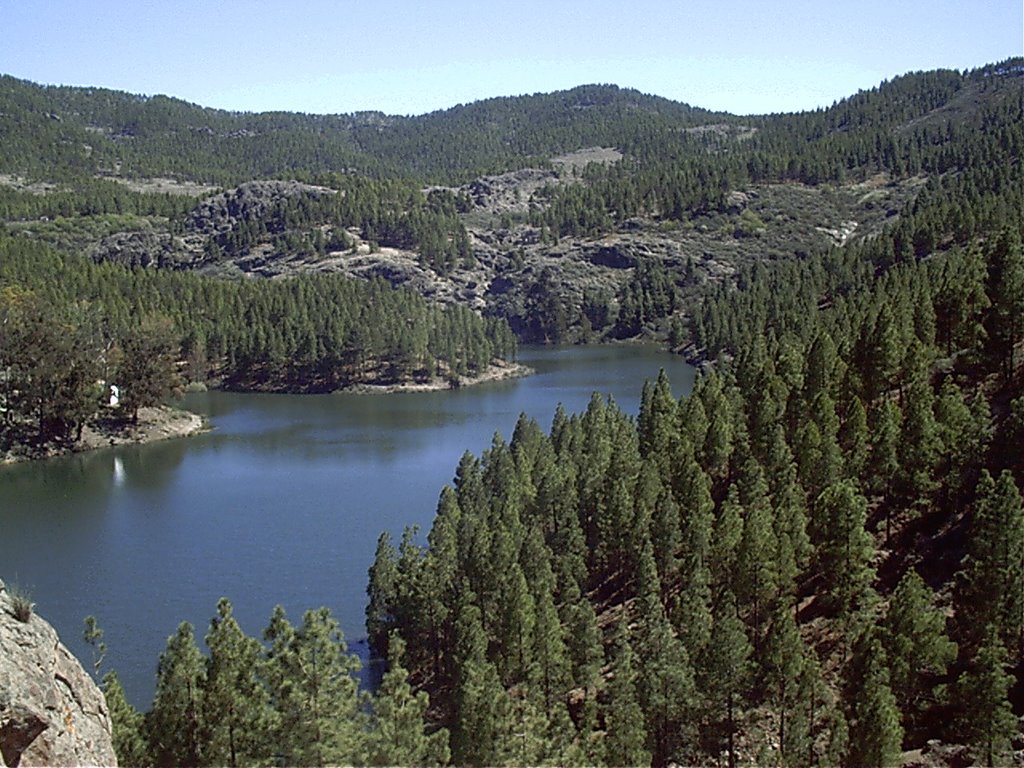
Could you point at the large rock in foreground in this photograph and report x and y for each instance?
(51, 711)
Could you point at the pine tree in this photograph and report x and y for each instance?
(93, 636)
(919, 444)
(439, 575)
(527, 740)
(382, 591)
(854, 439)
(515, 628)
(665, 681)
(817, 718)
(845, 549)
(483, 713)
(728, 533)
(914, 637)
(583, 640)
(666, 537)
(397, 727)
(1005, 289)
(656, 424)
(234, 700)
(828, 461)
(276, 673)
(625, 733)
(755, 583)
(718, 443)
(960, 300)
(552, 671)
(961, 438)
(992, 581)
(822, 360)
(984, 694)
(174, 724)
(309, 674)
(876, 735)
(883, 463)
(726, 671)
(783, 661)
(128, 724)
(691, 612)
(880, 363)
(147, 371)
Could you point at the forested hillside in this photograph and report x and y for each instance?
(559, 246)
(68, 327)
(109, 132)
(816, 558)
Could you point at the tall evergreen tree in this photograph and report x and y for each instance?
(845, 549)
(920, 443)
(916, 644)
(397, 735)
(625, 732)
(755, 583)
(726, 673)
(234, 699)
(482, 707)
(309, 672)
(984, 694)
(128, 725)
(876, 734)
(854, 439)
(147, 372)
(991, 590)
(382, 591)
(174, 725)
(728, 533)
(883, 462)
(665, 681)
(1005, 288)
(783, 661)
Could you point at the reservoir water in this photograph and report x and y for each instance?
(282, 502)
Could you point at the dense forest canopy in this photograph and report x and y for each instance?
(816, 558)
(103, 322)
(66, 132)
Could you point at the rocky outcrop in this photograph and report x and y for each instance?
(143, 248)
(51, 711)
(252, 201)
(248, 231)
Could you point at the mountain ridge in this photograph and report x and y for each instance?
(102, 131)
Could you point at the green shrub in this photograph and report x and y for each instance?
(21, 604)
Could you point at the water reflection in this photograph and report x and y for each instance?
(118, 471)
(281, 503)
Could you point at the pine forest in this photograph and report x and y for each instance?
(815, 558)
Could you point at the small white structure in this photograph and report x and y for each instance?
(115, 396)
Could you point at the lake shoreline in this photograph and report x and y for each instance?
(498, 371)
(155, 423)
(283, 502)
(166, 422)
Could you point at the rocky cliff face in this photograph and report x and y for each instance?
(51, 711)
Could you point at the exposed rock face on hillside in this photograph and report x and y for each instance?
(512, 261)
(252, 201)
(255, 202)
(139, 249)
(51, 712)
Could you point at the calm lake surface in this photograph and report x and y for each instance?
(281, 503)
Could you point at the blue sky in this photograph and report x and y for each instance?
(404, 57)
